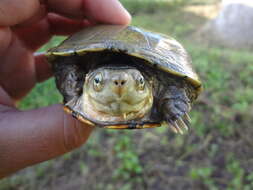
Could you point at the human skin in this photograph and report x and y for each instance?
(33, 136)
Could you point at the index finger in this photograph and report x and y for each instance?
(109, 11)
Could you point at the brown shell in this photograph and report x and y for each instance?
(163, 51)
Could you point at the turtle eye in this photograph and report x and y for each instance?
(97, 82)
(141, 83)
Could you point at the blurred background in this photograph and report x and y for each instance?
(217, 152)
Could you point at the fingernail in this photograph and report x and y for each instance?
(127, 15)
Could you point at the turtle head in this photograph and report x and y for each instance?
(117, 94)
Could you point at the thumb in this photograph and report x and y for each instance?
(30, 137)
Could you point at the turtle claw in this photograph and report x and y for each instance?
(187, 118)
(175, 127)
(174, 106)
(182, 124)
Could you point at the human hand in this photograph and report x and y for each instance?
(30, 137)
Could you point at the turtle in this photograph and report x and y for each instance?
(125, 77)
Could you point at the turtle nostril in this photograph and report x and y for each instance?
(119, 82)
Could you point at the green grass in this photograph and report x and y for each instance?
(215, 154)
(43, 94)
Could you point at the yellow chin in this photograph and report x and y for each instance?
(117, 111)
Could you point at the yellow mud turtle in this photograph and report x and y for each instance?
(124, 77)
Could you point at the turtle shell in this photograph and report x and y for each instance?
(158, 50)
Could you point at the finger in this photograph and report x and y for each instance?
(51, 25)
(5, 99)
(19, 64)
(70, 8)
(46, 133)
(42, 68)
(13, 11)
(109, 11)
(17, 73)
(60, 25)
(36, 17)
(5, 39)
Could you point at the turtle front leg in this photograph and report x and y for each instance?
(174, 105)
(69, 80)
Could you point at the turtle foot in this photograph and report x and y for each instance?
(180, 125)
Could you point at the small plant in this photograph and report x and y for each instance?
(203, 174)
(238, 173)
(128, 158)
